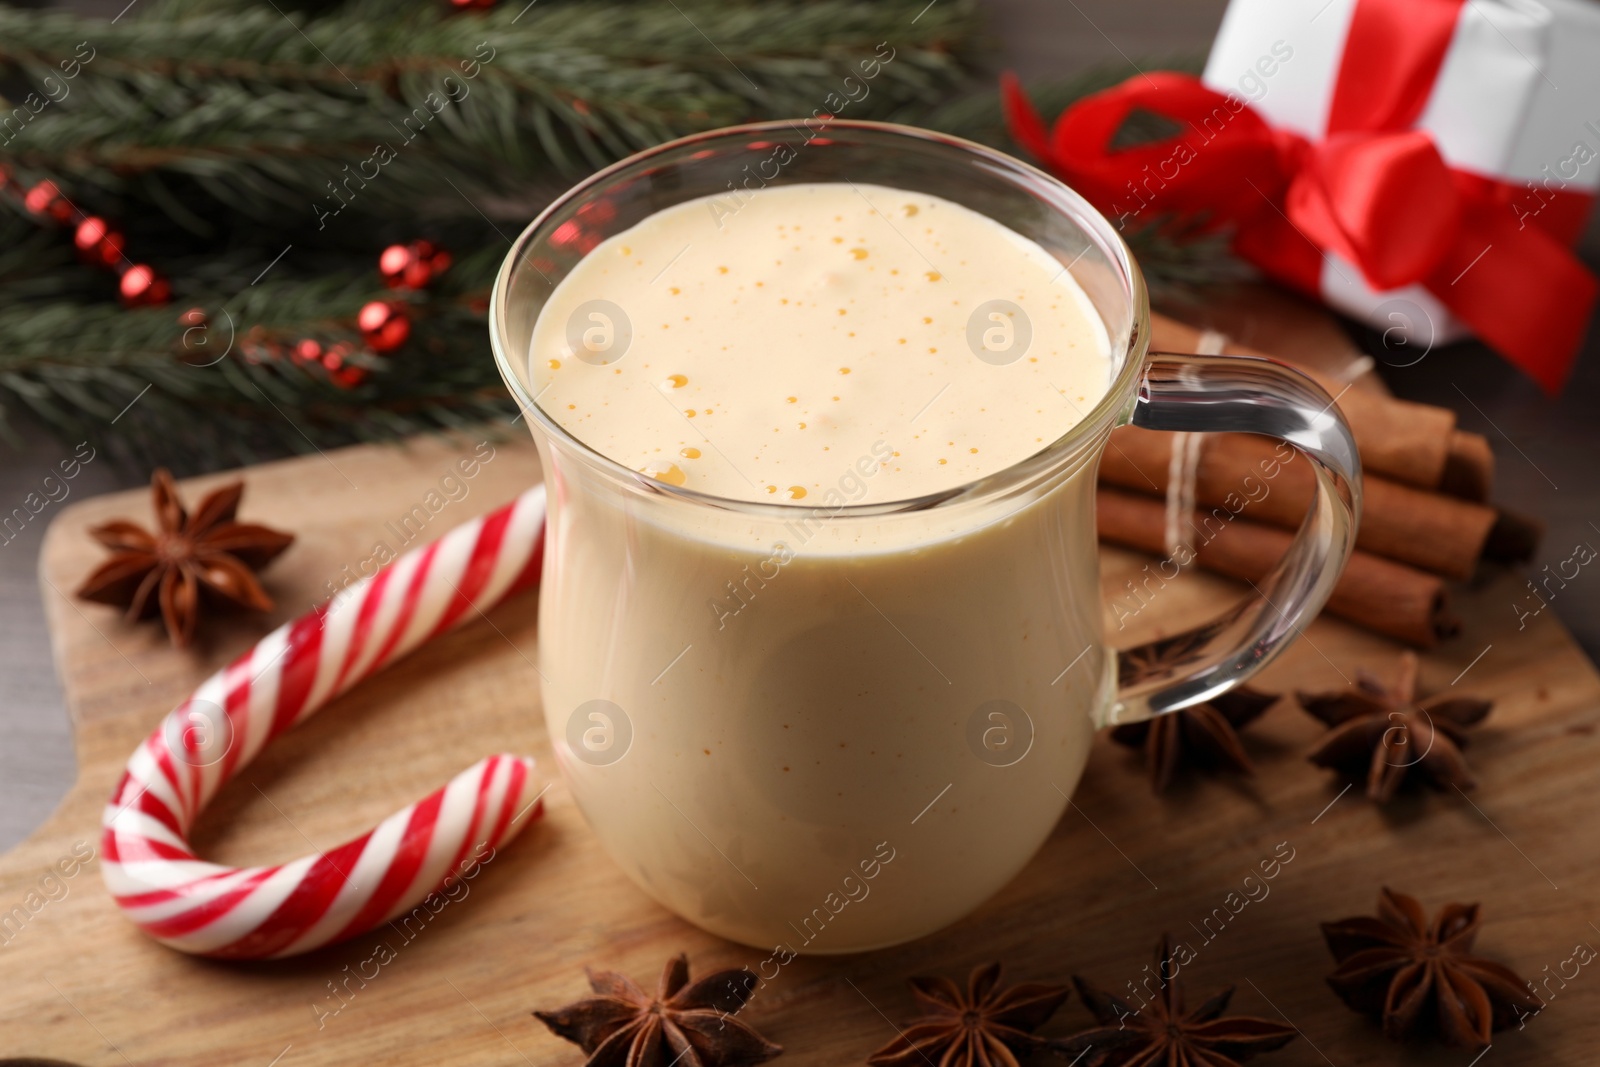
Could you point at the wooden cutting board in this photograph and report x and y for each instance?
(82, 985)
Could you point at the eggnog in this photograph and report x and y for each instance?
(817, 724)
(749, 356)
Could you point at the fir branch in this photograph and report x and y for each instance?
(151, 389)
(127, 384)
(259, 111)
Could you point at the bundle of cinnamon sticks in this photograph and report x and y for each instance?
(1425, 518)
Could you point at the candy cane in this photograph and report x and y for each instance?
(267, 912)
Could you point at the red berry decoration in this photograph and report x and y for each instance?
(384, 325)
(97, 242)
(345, 375)
(472, 5)
(393, 263)
(142, 286)
(109, 252)
(45, 199)
(307, 351)
(412, 266)
(100, 244)
(90, 232)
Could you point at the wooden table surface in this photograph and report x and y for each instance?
(82, 985)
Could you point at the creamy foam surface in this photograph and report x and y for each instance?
(819, 329)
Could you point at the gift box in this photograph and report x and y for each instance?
(1422, 165)
(1514, 96)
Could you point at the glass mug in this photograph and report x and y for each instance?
(840, 727)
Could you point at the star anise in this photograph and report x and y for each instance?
(1159, 1033)
(1419, 977)
(1163, 657)
(1383, 732)
(1204, 735)
(188, 561)
(980, 1026)
(685, 1024)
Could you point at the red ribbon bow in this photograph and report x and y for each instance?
(1375, 192)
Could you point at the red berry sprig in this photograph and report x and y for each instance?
(412, 266)
(141, 285)
(98, 243)
(385, 325)
(335, 359)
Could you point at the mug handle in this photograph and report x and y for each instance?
(1242, 394)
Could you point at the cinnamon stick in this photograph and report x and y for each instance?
(1274, 485)
(1415, 444)
(1469, 469)
(1383, 596)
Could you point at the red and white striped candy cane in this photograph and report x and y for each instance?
(265, 912)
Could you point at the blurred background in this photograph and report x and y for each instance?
(186, 191)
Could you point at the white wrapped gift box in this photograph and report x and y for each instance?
(1517, 98)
